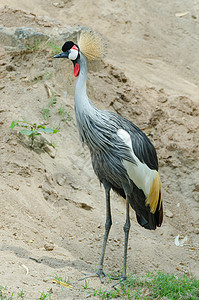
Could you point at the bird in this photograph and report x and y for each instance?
(122, 156)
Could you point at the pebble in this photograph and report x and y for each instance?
(49, 247)
(196, 231)
(10, 68)
(169, 214)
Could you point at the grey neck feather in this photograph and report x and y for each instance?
(97, 128)
(92, 122)
(81, 98)
(84, 109)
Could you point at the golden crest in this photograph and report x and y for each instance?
(91, 44)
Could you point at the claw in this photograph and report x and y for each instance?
(120, 280)
(99, 274)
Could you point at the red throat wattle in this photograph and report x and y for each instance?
(76, 70)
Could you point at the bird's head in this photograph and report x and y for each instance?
(90, 44)
(70, 51)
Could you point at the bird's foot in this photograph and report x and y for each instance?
(99, 273)
(120, 280)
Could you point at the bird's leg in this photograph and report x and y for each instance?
(126, 229)
(107, 229)
(108, 224)
(126, 237)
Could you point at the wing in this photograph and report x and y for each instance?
(144, 171)
(142, 146)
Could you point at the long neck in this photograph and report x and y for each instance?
(82, 102)
(91, 122)
(83, 106)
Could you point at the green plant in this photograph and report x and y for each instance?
(173, 287)
(48, 75)
(2, 291)
(85, 285)
(45, 113)
(53, 99)
(32, 129)
(35, 47)
(65, 116)
(156, 285)
(54, 48)
(21, 294)
(44, 296)
(107, 294)
(61, 282)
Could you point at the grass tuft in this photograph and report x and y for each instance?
(173, 287)
(157, 285)
(54, 48)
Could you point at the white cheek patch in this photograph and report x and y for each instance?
(73, 54)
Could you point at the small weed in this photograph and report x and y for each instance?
(2, 291)
(10, 297)
(65, 116)
(61, 282)
(45, 113)
(44, 296)
(85, 285)
(60, 279)
(153, 286)
(48, 75)
(21, 294)
(34, 47)
(53, 100)
(173, 287)
(54, 48)
(32, 129)
(53, 144)
(107, 294)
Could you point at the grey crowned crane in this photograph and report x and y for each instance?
(122, 156)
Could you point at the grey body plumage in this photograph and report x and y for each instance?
(98, 130)
(109, 138)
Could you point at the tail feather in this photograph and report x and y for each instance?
(144, 223)
(146, 218)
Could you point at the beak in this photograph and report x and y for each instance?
(62, 55)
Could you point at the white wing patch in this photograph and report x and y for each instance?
(139, 173)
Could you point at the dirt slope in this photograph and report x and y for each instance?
(50, 197)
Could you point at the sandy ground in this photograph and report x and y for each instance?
(52, 206)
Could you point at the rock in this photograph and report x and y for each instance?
(49, 247)
(20, 38)
(51, 151)
(58, 4)
(23, 38)
(117, 106)
(157, 115)
(169, 214)
(60, 178)
(10, 68)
